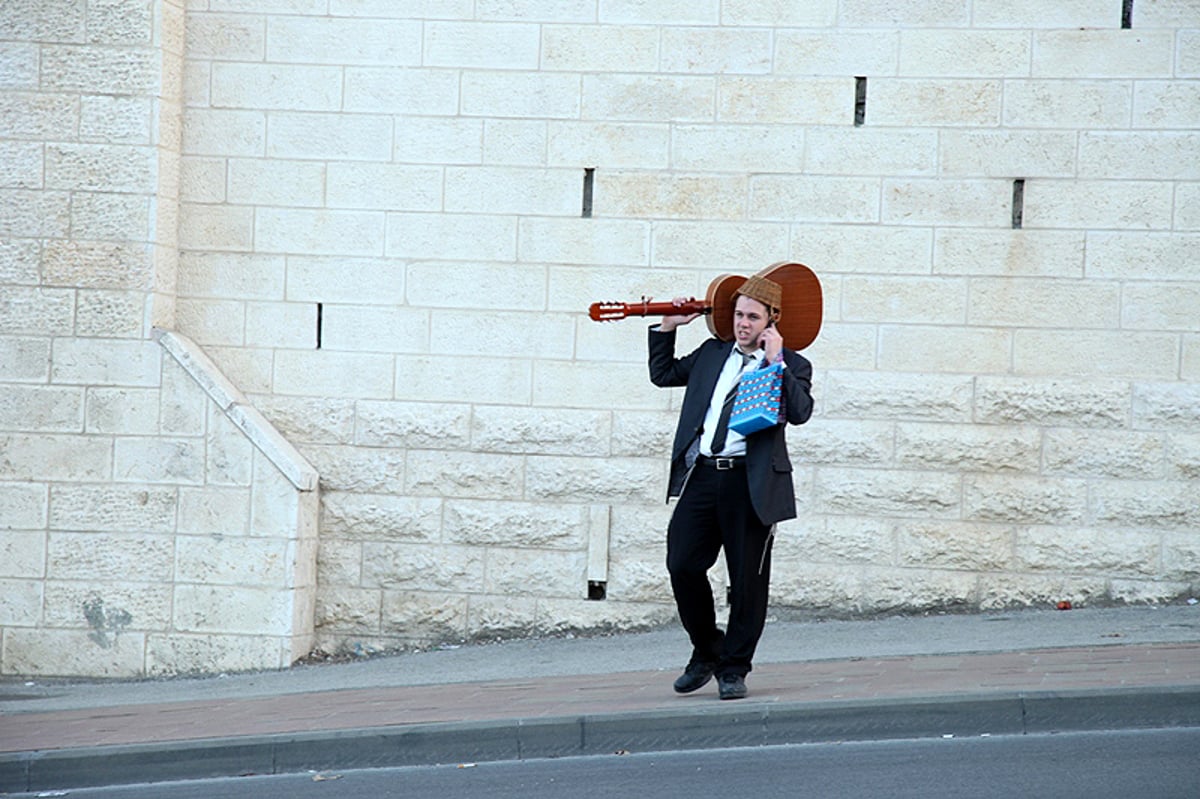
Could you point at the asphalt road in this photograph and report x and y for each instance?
(1162, 764)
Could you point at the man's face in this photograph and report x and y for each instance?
(750, 319)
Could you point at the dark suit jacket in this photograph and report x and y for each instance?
(768, 467)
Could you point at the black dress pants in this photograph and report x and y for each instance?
(715, 512)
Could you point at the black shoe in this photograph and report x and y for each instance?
(732, 686)
(694, 677)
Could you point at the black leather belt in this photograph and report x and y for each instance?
(721, 464)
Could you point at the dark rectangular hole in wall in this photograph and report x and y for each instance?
(1018, 203)
(1127, 14)
(860, 101)
(320, 313)
(589, 178)
(597, 589)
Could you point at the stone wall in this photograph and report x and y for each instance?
(392, 217)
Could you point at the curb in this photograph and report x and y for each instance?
(725, 725)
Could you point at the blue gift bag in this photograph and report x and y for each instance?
(759, 401)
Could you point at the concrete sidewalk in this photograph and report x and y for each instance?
(998, 673)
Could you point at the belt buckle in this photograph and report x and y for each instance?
(725, 464)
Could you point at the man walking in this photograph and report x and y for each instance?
(732, 489)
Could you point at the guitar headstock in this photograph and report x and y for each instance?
(608, 311)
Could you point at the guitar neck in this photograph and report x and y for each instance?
(606, 311)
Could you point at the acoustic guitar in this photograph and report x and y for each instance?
(799, 318)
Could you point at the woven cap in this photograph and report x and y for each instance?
(768, 292)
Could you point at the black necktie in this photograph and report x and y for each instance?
(718, 442)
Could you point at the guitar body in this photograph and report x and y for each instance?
(803, 306)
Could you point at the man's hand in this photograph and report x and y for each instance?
(669, 323)
(772, 343)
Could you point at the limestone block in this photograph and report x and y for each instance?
(219, 560)
(97, 264)
(21, 603)
(41, 408)
(664, 12)
(634, 579)
(159, 460)
(874, 249)
(516, 524)
(540, 430)
(1183, 456)
(1181, 556)
(232, 610)
(225, 37)
(344, 280)
(21, 165)
(720, 51)
(19, 70)
(224, 132)
(614, 145)
(1162, 505)
(970, 203)
(837, 53)
(232, 276)
(424, 616)
(400, 187)
(99, 70)
(374, 90)
(585, 241)
(411, 424)
(887, 493)
(615, 387)
(833, 441)
(118, 556)
(950, 103)
(281, 324)
(37, 115)
(58, 653)
(640, 433)
(36, 311)
(563, 616)
(969, 447)
(886, 590)
(110, 609)
(201, 180)
(1127, 205)
(24, 359)
(1052, 401)
(377, 517)
(525, 95)
(500, 617)
(249, 369)
(346, 468)
(110, 314)
(464, 474)
(348, 610)
(458, 236)
(319, 232)
(1167, 404)
(1162, 155)
(854, 395)
(511, 190)
(212, 322)
(483, 45)
(1093, 104)
(1166, 104)
(1102, 53)
(34, 213)
(648, 98)
(821, 199)
(215, 511)
(290, 87)
(19, 262)
(277, 508)
(176, 654)
(339, 563)
(779, 13)
(439, 141)
(1148, 592)
(278, 182)
(112, 508)
(55, 457)
(909, 300)
(961, 546)
(1187, 206)
(331, 40)
(511, 572)
(1161, 306)
(22, 506)
(672, 195)
(111, 216)
(600, 48)
(1141, 256)
(798, 584)
(936, 52)
(639, 528)
(333, 374)
(1032, 14)
(842, 540)
(182, 403)
(1035, 500)
(1101, 354)
(999, 591)
(1010, 153)
(22, 553)
(781, 101)
(1029, 302)
(601, 480)
(1089, 551)
(477, 285)
(99, 167)
(1104, 453)
(422, 567)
